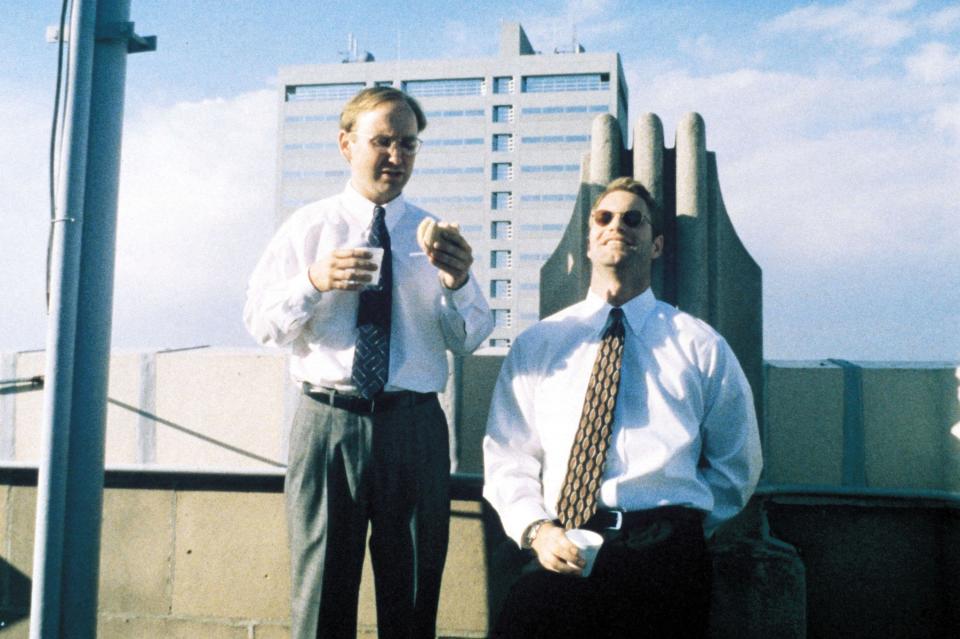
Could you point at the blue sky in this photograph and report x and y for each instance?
(836, 127)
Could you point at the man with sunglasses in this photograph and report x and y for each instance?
(369, 440)
(624, 416)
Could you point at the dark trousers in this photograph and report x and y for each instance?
(652, 580)
(390, 469)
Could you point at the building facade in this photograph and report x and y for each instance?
(501, 152)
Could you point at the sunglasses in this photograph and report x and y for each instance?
(632, 219)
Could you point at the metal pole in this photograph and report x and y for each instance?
(61, 330)
(70, 484)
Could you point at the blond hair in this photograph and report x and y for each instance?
(372, 97)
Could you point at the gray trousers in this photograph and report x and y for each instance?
(390, 469)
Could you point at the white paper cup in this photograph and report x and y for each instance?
(376, 256)
(589, 544)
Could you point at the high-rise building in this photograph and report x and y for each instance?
(501, 152)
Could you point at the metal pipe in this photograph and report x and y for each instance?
(70, 485)
(61, 331)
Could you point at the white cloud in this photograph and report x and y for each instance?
(196, 209)
(843, 189)
(945, 20)
(947, 118)
(863, 22)
(24, 216)
(578, 19)
(934, 63)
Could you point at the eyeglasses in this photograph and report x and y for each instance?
(383, 143)
(631, 218)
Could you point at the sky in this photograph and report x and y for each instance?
(836, 128)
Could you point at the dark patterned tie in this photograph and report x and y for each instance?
(581, 487)
(371, 358)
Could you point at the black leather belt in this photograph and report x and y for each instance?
(621, 520)
(380, 403)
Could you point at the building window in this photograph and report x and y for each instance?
(500, 259)
(577, 108)
(501, 230)
(553, 139)
(502, 171)
(500, 289)
(569, 82)
(503, 113)
(430, 88)
(452, 141)
(503, 142)
(306, 92)
(455, 113)
(501, 200)
(503, 85)
(501, 318)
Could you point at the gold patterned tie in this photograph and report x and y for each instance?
(581, 487)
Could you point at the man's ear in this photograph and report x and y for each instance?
(657, 247)
(343, 141)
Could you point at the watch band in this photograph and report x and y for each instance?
(526, 540)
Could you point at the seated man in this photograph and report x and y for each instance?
(628, 417)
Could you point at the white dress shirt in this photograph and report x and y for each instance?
(283, 308)
(684, 431)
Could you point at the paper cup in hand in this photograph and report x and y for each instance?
(589, 544)
(376, 256)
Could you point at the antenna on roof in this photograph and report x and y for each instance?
(352, 54)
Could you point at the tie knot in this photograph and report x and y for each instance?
(615, 327)
(379, 211)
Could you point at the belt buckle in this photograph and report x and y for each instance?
(619, 522)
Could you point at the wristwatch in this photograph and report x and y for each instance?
(526, 539)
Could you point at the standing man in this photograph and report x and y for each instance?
(628, 417)
(369, 440)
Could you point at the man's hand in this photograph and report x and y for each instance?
(556, 552)
(342, 270)
(452, 255)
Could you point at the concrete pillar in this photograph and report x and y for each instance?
(605, 145)
(692, 256)
(648, 162)
(648, 155)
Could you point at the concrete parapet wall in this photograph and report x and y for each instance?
(212, 563)
(871, 425)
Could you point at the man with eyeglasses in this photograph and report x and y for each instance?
(627, 417)
(369, 441)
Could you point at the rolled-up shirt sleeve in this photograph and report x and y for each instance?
(465, 317)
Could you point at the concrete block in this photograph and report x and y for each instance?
(234, 397)
(15, 630)
(21, 513)
(4, 500)
(271, 631)
(463, 598)
(804, 424)
(908, 414)
(167, 628)
(28, 434)
(137, 551)
(231, 557)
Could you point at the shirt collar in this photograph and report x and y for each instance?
(361, 208)
(635, 311)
